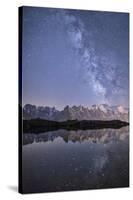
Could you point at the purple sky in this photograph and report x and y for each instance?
(73, 57)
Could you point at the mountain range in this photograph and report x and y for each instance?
(95, 112)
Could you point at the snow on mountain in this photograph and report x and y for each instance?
(95, 112)
(120, 109)
(32, 112)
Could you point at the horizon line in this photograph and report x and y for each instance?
(85, 106)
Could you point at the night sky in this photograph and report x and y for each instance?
(74, 57)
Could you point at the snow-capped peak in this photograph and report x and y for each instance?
(120, 109)
(104, 108)
(95, 112)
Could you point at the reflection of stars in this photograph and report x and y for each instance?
(103, 174)
(76, 169)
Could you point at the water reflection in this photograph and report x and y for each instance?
(95, 136)
(75, 160)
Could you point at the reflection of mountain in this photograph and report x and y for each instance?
(93, 136)
(95, 112)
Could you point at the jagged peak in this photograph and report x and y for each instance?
(101, 111)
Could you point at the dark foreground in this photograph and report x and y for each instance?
(41, 125)
(65, 160)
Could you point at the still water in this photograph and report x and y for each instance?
(75, 160)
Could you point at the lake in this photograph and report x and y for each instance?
(75, 160)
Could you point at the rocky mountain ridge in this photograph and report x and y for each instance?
(95, 112)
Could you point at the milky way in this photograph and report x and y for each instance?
(93, 45)
(102, 73)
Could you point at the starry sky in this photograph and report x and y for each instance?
(75, 57)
